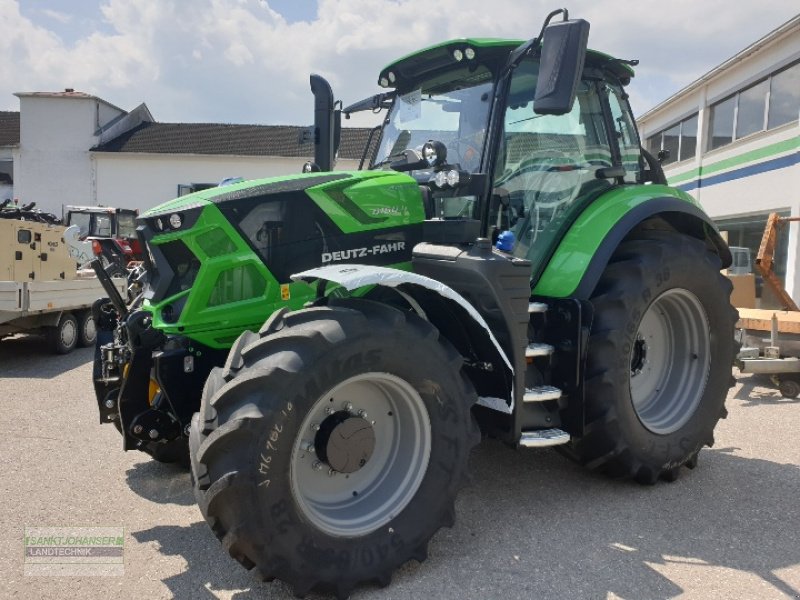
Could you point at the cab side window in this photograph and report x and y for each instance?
(626, 132)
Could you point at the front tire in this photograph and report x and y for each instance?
(659, 359)
(329, 449)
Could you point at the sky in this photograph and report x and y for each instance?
(248, 61)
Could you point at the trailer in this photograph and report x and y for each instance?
(770, 339)
(771, 346)
(41, 291)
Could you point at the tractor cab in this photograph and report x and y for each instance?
(463, 123)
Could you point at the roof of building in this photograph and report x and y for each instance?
(769, 39)
(9, 128)
(67, 93)
(226, 139)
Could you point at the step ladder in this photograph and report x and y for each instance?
(541, 438)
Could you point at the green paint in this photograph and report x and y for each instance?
(738, 160)
(497, 47)
(205, 197)
(370, 200)
(576, 250)
(365, 200)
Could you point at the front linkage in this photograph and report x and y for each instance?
(148, 384)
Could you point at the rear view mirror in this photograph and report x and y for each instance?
(560, 66)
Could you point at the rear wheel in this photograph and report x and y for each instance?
(659, 359)
(63, 338)
(330, 448)
(789, 388)
(87, 333)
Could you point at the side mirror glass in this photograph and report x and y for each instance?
(563, 54)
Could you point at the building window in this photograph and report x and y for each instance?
(679, 140)
(744, 235)
(752, 109)
(784, 97)
(721, 120)
(190, 188)
(770, 103)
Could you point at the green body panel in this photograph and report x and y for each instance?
(363, 200)
(375, 200)
(577, 248)
(205, 197)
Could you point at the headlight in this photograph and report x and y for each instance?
(469, 53)
(175, 221)
(458, 55)
(453, 178)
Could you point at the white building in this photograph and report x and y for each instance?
(733, 138)
(73, 148)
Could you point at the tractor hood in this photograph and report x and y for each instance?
(222, 258)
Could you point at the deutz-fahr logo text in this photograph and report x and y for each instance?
(353, 253)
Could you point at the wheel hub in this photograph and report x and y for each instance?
(639, 355)
(345, 442)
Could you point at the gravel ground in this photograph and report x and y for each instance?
(532, 525)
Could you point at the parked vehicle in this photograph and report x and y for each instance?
(112, 232)
(40, 289)
(512, 264)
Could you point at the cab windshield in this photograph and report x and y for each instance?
(453, 109)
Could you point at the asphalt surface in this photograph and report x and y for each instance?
(531, 525)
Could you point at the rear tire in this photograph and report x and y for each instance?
(63, 338)
(789, 388)
(659, 359)
(301, 486)
(87, 333)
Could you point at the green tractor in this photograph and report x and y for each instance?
(334, 344)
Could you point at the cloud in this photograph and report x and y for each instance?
(241, 61)
(57, 16)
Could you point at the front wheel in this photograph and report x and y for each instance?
(659, 359)
(330, 448)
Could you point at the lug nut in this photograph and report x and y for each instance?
(317, 466)
(315, 427)
(348, 406)
(363, 414)
(153, 434)
(329, 411)
(331, 472)
(310, 448)
(137, 429)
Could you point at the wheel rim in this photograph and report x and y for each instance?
(355, 499)
(89, 331)
(69, 332)
(670, 361)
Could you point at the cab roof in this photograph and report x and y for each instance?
(487, 50)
